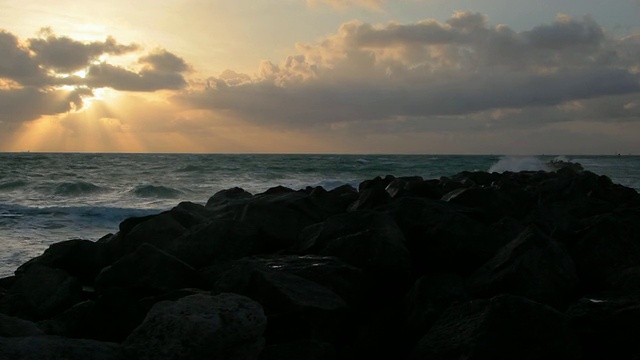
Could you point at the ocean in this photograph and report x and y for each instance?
(51, 197)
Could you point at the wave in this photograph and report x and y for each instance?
(87, 213)
(519, 163)
(11, 185)
(76, 188)
(190, 168)
(153, 191)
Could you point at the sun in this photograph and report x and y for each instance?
(99, 94)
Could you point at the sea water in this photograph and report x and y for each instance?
(51, 197)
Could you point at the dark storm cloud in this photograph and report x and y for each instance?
(29, 103)
(65, 55)
(434, 70)
(36, 74)
(149, 79)
(16, 62)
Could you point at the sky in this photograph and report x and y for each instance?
(321, 76)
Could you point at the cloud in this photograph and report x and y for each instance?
(433, 75)
(38, 76)
(162, 71)
(65, 55)
(16, 62)
(30, 103)
(344, 4)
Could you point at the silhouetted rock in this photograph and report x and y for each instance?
(299, 350)
(45, 347)
(608, 328)
(476, 266)
(504, 327)
(297, 308)
(227, 326)
(82, 259)
(533, 266)
(218, 241)
(16, 327)
(368, 240)
(41, 292)
(148, 270)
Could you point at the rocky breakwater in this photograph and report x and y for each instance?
(527, 265)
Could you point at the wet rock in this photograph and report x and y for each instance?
(368, 240)
(297, 308)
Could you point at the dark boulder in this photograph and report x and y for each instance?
(607, 251)
(82, 259)
(299, 350)
(493, 203)
(45, 347)
(368, 240)
(41, 292)
(371, 198)
(297, 308)
(430, 296)
(227, 326)
(159, 229)
(336, 275)
(16, 327)
(148, 270)
(533, 266)
(224, 197)
(608, 328)
(218, 241)
(504, 327)
(443, 237)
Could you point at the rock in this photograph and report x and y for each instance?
(442, 237)
(606, 249)
(430, 296)
(493, 203)
(504, 327)
(223, 197)
(41, 292)
(298, 309)
(376, 182)
(371, 198)
(15, 327)
(79, 321)
(329, 271)
(82, 259)
(46, 347)
(159, 229)
(607, 328)
(227, 326)
(300, 350)
(148, 270)
(403, 186)
(218, 241)
(368, 240)
(533, 266)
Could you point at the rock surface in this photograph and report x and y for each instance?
(477, 265)
(227, 326)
